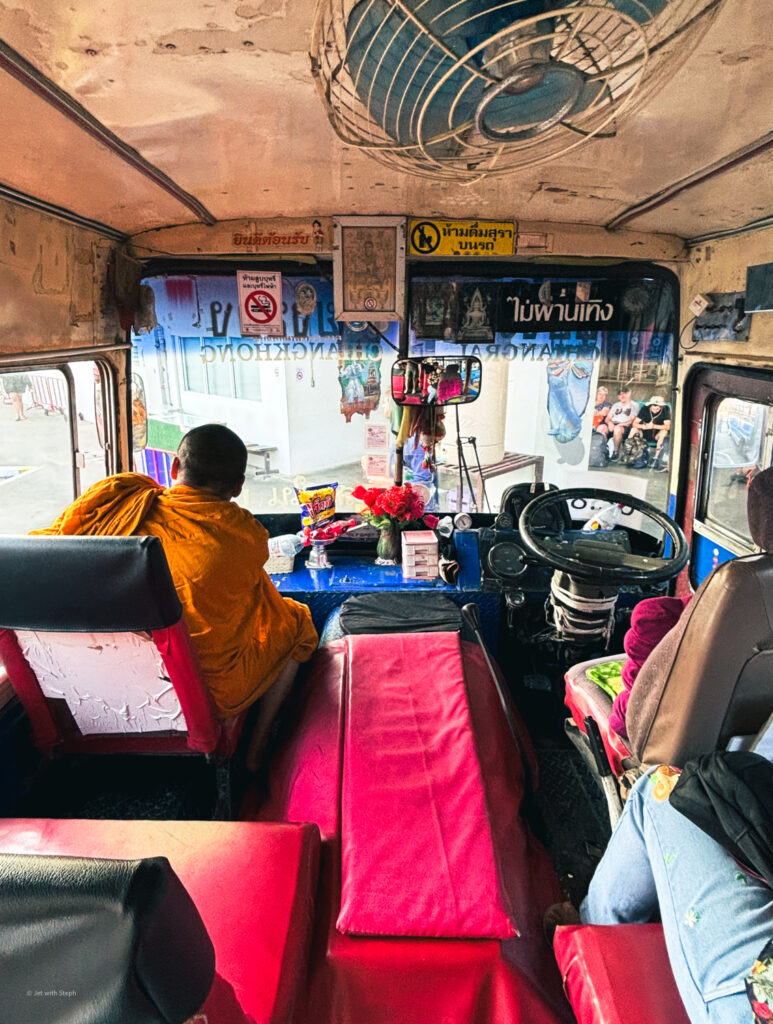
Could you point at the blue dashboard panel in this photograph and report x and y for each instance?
(468, 556)
(323, 590)
(350, 573)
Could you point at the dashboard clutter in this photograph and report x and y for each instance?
(282, 551)
(318, 504)
(607, 518)
(288, 544)
(445, 528)
(321, 537)
(420, 554)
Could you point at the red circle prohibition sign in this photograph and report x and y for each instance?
(260, 307)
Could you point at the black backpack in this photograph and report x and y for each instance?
(729, 795)
(598, 455)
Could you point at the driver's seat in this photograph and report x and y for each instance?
(709, 679)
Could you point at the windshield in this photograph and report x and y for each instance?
(313, 402)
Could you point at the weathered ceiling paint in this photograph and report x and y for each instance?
(220, 97)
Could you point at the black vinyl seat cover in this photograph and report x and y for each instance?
(86, 584)
(400, 613)
(99, 942)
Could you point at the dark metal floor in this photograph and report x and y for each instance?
(112, 786)
(571, 818)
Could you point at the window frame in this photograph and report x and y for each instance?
(703, 522)
(59, 362)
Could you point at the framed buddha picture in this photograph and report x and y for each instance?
(369, 268)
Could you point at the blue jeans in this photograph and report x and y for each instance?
(716, 917)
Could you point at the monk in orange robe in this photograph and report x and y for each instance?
(250, 640)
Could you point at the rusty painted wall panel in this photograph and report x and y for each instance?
(53, 284)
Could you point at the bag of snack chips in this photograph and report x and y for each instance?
(318, 504)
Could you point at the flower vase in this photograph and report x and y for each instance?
(388, 549)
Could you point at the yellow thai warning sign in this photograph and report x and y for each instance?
(461, 237)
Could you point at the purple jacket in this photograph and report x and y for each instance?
(650, 621)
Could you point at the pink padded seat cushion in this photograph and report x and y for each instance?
(253, 884)
(618, 974)
(583, 697)
(410, 769)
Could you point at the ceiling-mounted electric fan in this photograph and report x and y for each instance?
(461, 90)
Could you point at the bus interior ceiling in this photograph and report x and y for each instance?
(152, 150)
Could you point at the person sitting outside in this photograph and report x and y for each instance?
(249, 639)
(654, 422)
(601, 408)
(619, 421)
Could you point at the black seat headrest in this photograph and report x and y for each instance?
(100, 942)
(400, 613)
(86, 584)
(759, 509)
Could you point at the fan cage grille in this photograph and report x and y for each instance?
(627, 59)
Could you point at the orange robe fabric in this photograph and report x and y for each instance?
(244, 631)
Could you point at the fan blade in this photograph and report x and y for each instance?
(398, 70)
(641, 10)
(559, 90)
(396, 65)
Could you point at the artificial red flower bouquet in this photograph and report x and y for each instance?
(395, 507)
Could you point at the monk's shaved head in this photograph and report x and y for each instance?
(213, 458)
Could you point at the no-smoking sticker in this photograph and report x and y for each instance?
(260, 303)
(260, 307)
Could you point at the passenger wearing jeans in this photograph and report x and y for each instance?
(717, 917)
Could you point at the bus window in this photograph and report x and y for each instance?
(314, 404)
(737, 453)
(566, 397)
(311, 405)
(50, 446)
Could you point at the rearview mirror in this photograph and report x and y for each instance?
(436, 380)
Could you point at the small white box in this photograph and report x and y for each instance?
(420, 557)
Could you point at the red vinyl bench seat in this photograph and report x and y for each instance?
(254, 885)
(385, 749)
(618, 974)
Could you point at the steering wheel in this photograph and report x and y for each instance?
(595, 560)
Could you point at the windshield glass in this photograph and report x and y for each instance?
(313, 402)
(576, 387)
(309, 403)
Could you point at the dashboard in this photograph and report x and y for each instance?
(504, 562)
(507, 567)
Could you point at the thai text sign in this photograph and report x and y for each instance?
(461, 237)
(282, 236)
(260, 302)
